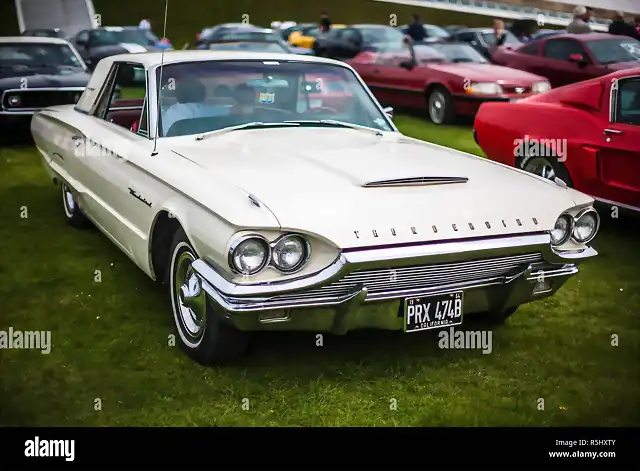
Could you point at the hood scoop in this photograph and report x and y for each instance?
(416, 181)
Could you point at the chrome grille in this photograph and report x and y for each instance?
(383, 283)
(31, 99)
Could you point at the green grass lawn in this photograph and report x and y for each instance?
(110, 341)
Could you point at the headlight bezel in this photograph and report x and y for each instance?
(236, 243)
(577, 219)
(569, 232)
(17, 103)
(546, 83)
(270, 247)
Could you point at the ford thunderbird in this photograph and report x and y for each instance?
(265, 209)
(587, 134)
(36, 72)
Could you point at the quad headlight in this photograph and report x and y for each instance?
(586, 226)
(289, 253)
(251, 253)
(562, 230)
(581, 228)
(14, 100)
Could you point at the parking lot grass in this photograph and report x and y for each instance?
(111, 362)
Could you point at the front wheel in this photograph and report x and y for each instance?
(440, 106)
(202, 335)
(71, 209)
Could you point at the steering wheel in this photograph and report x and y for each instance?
(324, 109)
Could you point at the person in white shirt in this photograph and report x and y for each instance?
(580, 24)
(144, 24)
(191, 95)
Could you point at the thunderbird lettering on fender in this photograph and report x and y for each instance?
(137, 195)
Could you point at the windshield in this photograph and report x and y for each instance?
(37, 55)
(490, 38)
(450, 53)
(610, 51)
(112, 37)
(250, 47)
(436, 31)
(383, 39)
(199, 97)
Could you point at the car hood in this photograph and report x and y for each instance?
(488, 73)
(623, 65)
(312, 180)
(35, 78)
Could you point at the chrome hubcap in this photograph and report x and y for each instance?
(540, 166)
(190, 297)
(69, 202)
(437, 107)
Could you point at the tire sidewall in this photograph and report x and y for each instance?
(446, 101)
(180, 246)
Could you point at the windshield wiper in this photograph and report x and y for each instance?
(255, 124)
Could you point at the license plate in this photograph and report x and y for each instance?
(432, 312)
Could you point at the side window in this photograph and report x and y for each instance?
(82, 37)
(122, 100)
(561, 49)
(628, 102)
(465, 37)
(530, 49)
(351, 35)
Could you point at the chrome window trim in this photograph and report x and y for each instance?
(427, 253)
(613, 97)
(577, 218)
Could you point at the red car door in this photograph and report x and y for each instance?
(619, 156)
(560, 65)
(397, 85)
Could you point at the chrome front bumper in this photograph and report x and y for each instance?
(367, 288)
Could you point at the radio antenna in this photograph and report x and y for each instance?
(164, 35)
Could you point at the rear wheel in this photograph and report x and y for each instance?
(202, 335)
(545, 167)
(71, 209)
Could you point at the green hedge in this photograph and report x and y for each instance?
(187, 17)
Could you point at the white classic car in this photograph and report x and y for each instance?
(273, 192)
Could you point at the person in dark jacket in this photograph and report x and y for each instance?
(325, 22)
(416, 30)
(621, 28)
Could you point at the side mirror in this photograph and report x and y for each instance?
(389, 112)
(576, 58)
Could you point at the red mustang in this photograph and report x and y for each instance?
(447, 79)
(570, 58)
(586, 134)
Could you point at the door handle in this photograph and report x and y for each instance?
(609, 132)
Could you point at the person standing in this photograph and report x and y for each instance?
(580, 24)
(325, 22)
(145, 24)
(498, 30)
(621, 28)
(416, 30)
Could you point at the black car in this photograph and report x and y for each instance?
(346, 43)
(96, 44)
(482, 40)
(35, 73)
(45, 33)
(433, 33)
(212, 34)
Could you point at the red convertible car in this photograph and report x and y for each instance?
(586, 134)
(570, 58)
(447, 79)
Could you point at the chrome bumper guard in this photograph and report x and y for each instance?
(494, 273)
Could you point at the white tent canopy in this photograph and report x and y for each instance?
(626, 6)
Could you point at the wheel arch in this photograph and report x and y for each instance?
(163, 228)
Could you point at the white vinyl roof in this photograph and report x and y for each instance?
(626, 6)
